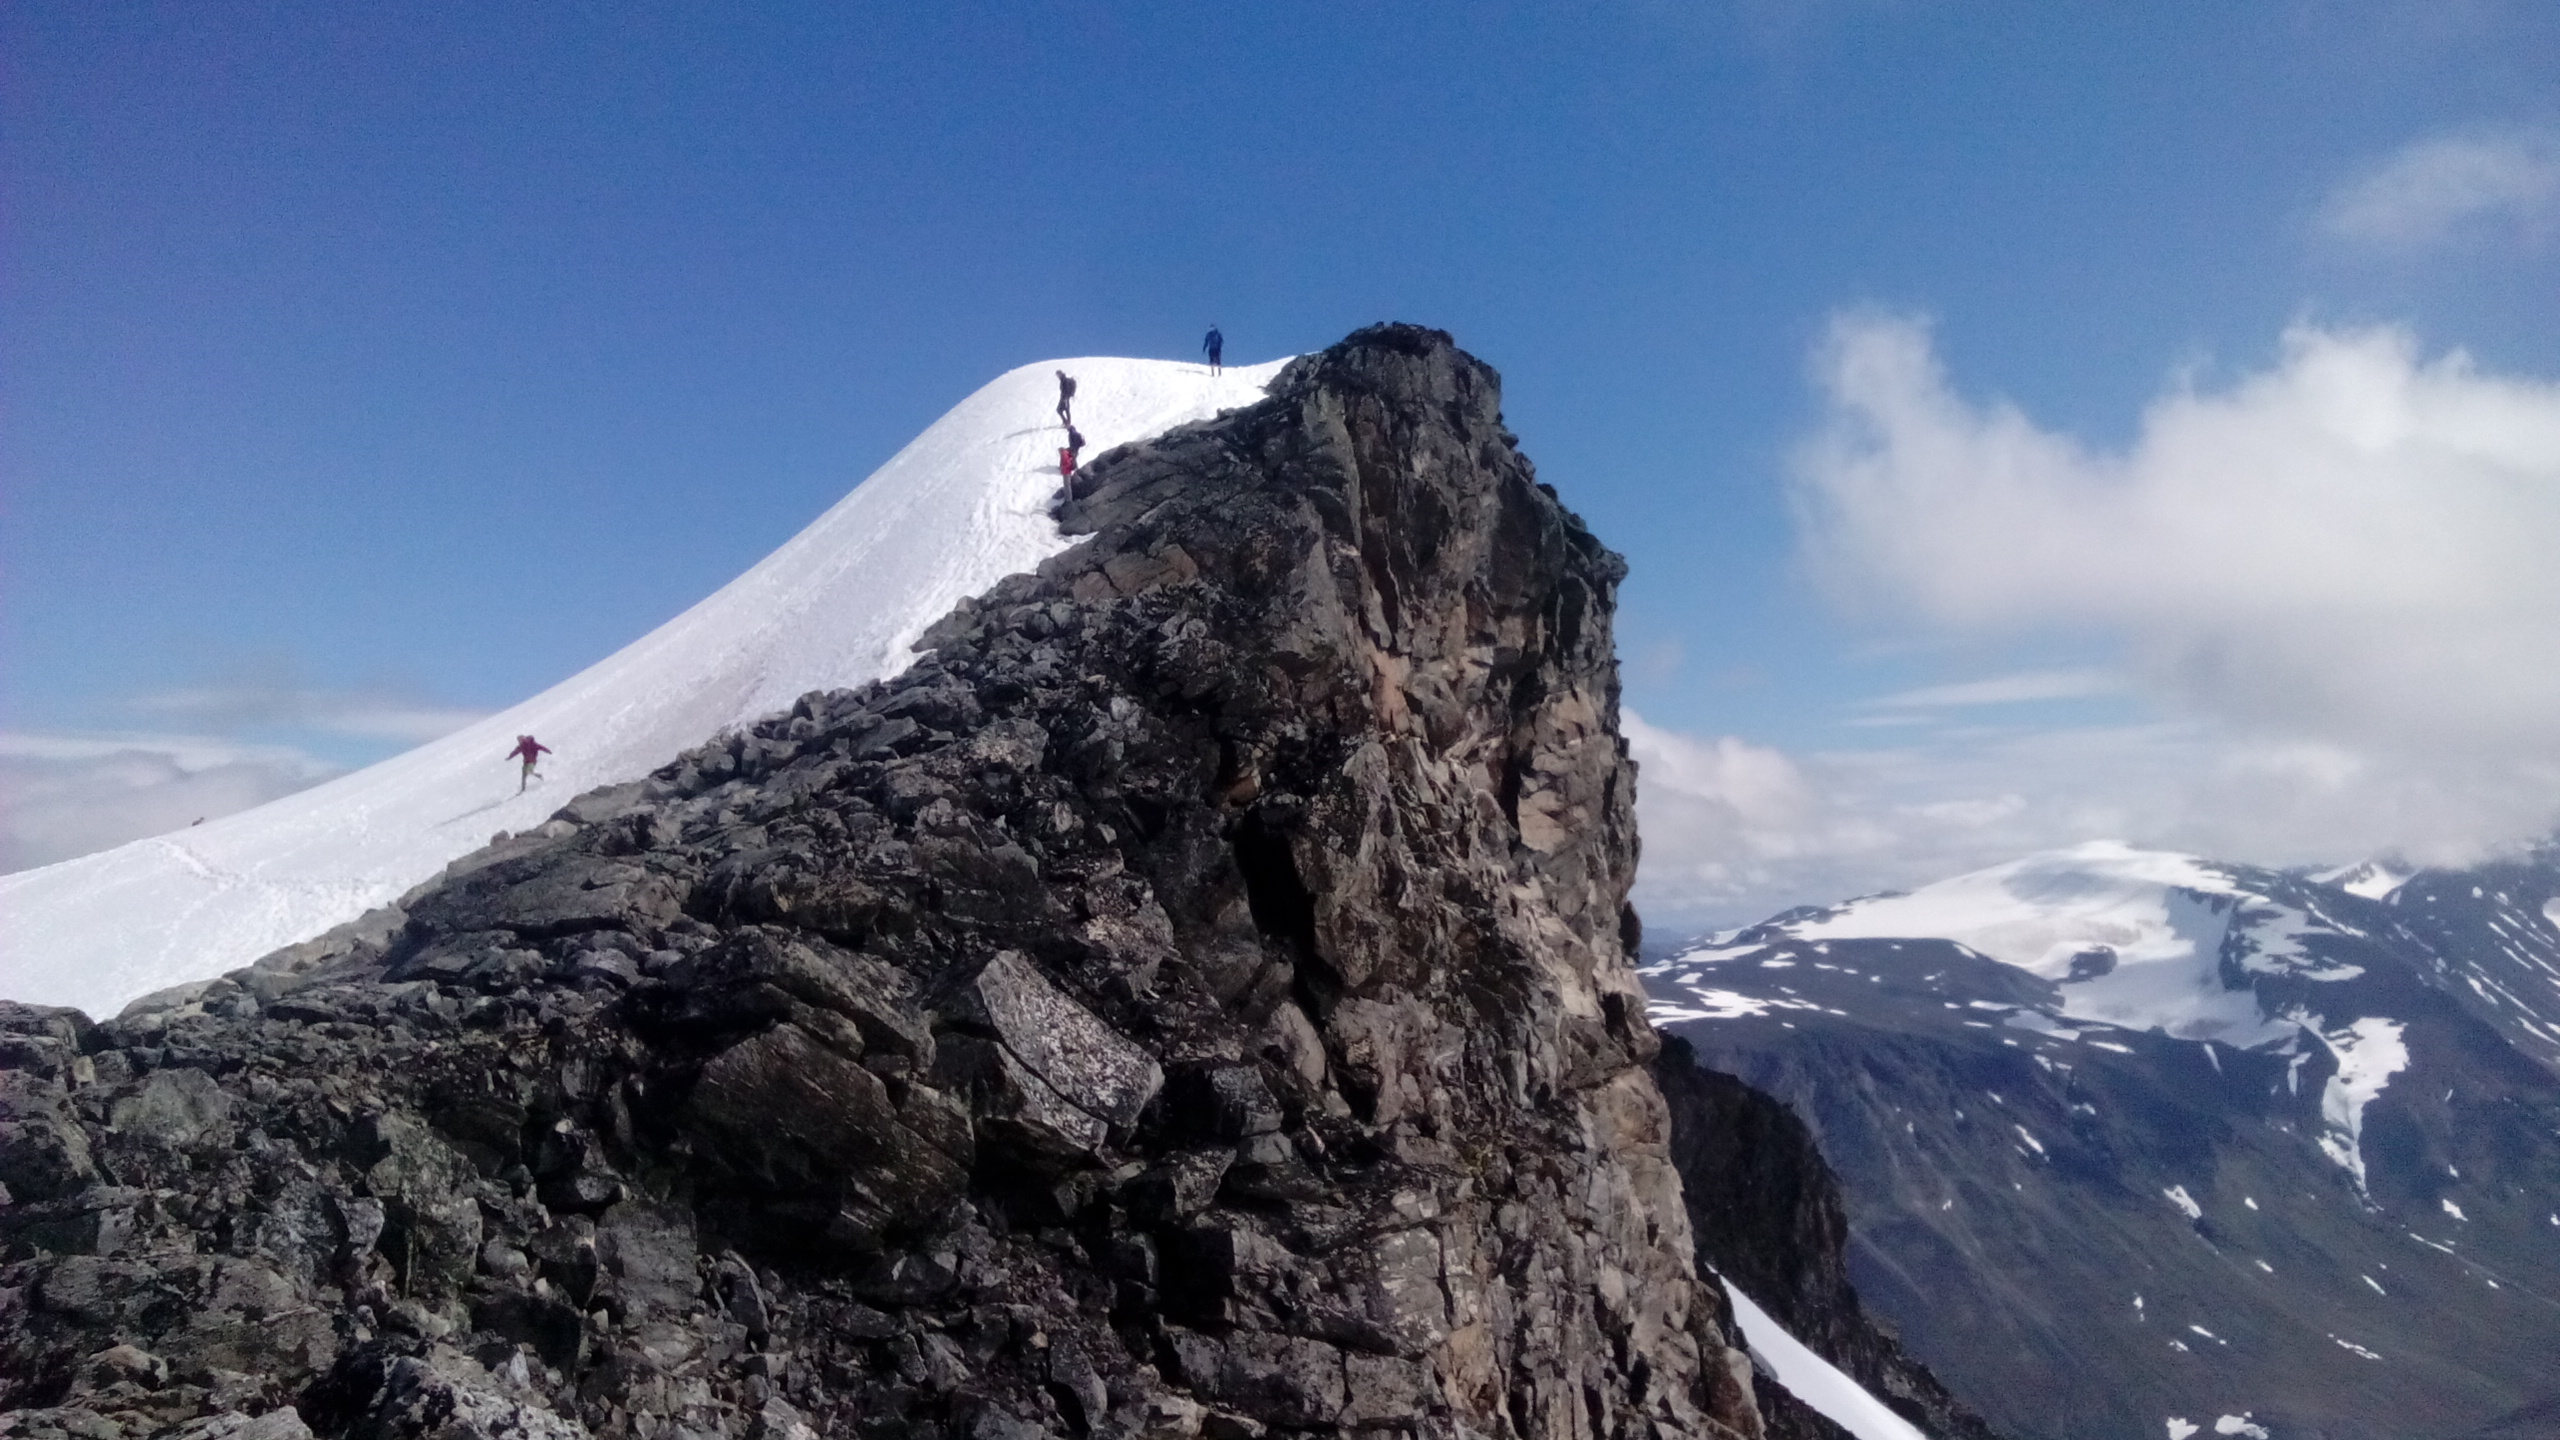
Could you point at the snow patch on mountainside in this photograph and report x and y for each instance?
(1814, 1380)
(2369, 1052)
(2372, 879)
(962, 506)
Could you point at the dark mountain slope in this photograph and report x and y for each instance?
(2538, 1421)
(2490, 938)
(2317, 1194)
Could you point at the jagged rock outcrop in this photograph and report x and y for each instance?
(1195, 999)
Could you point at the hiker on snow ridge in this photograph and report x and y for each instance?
(1066, 394)
(1215, 344)
(1068, 455)
(530, 749)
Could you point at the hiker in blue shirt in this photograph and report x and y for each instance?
(1216, 345)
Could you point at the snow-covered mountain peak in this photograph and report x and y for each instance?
(2373, 879)
(963, 505)
(2048, 913)
(2143, 939)
(2063, 947)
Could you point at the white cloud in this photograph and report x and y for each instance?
(1730, 826)
(65, 795)
(2432, 190)
(68, 793)
(364, 714)
(2022, 688)
(2358, 545)
(1735, 832)
(2338, 580)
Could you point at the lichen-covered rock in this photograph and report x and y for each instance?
(1194, 1000)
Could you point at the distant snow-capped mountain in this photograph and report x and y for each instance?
(2372, 879)
(2136, 1140)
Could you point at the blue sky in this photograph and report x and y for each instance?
(368, 365)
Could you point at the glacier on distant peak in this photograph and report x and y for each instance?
(2135, 939)
(839, 605)
(2037, 1080)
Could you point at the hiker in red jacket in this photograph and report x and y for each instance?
(1069, 455)
(530, 749)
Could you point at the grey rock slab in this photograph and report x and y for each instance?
(175, 1107)
(1068, 1047)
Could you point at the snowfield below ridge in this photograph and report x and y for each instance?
(962, 506)
(1814, 1380)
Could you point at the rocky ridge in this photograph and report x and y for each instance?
(1197, 998)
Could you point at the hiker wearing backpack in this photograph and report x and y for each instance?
(1216, 345)
(1068, 455)
(1066, 399)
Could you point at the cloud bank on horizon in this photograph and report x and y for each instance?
(65, 795)
(2330, 585)
(202, 752)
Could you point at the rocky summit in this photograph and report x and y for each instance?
(1195, 999)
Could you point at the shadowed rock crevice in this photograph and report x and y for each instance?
(1282, 908)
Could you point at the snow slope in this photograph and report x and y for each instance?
(962, 506)
(1814, 1380)
(2372, 879)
